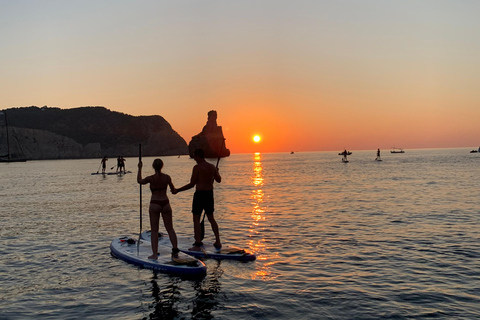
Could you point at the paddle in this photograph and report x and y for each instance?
(99, 168)
(202, 223)
(140, 233)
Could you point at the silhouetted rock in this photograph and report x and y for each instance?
(87, 132)
(211, 139)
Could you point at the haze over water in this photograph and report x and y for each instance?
(397, 239)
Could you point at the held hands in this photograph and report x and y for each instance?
(174, 190)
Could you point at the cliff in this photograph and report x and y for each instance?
(86, 132)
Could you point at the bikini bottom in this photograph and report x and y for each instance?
(161, 203)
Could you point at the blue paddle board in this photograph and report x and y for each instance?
(208, 250)
(137, 252)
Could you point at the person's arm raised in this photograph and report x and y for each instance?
(139, 174)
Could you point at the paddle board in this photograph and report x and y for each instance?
(208, 250)
(93, 173)
(131, 251)
(110, 173)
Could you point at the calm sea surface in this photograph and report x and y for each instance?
(397, 239)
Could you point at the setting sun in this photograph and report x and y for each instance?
(256, 138)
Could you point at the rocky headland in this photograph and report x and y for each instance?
(86, 132)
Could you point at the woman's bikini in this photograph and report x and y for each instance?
(153, 188)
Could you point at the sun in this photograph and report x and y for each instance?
(256, 138)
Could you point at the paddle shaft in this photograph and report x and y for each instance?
(221, 149)
(140, 160)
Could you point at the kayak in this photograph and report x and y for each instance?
(208, 250)
(137, 252)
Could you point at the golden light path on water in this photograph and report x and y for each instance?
(258, 216)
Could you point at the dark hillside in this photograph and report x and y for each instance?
(113, 133)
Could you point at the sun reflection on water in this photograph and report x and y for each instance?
(257, 242)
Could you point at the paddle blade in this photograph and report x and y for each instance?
(185, 260)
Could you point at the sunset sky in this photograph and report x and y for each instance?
(303, 75)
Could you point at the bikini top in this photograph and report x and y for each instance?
(153, 186)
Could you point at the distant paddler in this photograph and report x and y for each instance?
(120, 164)
(378, 156)
(104, 164)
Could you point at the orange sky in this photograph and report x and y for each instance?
(305, 75)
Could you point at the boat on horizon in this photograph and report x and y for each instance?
(397, 150)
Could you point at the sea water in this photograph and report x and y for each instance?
(396, 239)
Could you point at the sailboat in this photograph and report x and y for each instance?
(8, 156)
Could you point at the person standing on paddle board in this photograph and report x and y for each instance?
(159, 204)
(203, 175)
(104, 164)
(122, 164)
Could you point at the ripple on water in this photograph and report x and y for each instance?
(398, 240)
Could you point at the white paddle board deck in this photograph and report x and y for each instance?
(208, 250)
(131, 251)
